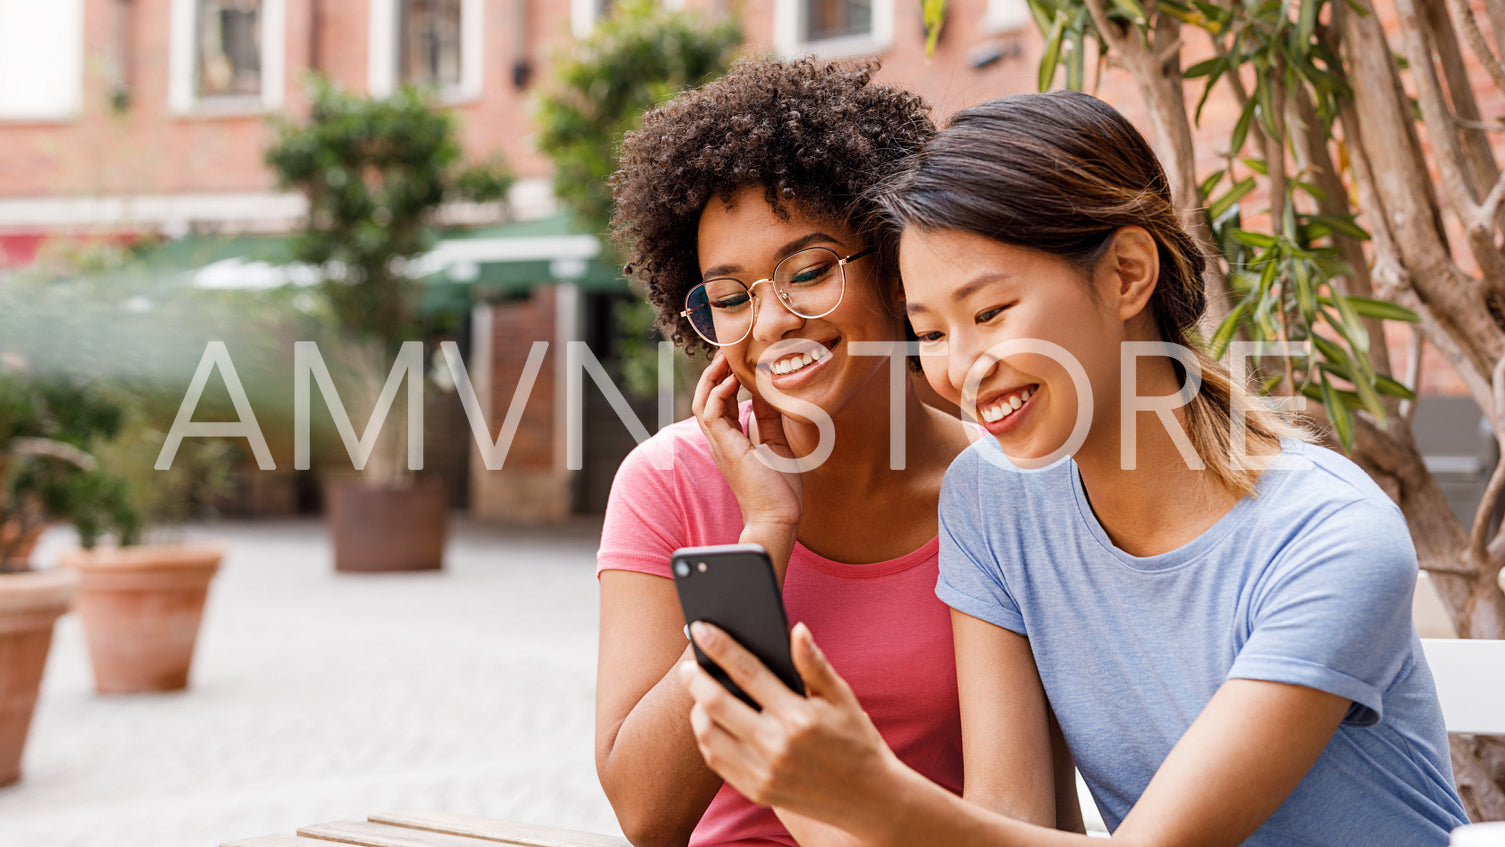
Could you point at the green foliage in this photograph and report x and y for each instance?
(638, 56)
(46, 428)
(1286, 275)
(374, 172)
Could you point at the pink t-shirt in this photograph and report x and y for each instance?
(880, 624)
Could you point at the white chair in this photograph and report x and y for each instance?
(1470, 676)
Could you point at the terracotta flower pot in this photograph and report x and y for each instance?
(29, 604)
(387, 529)
(141, 607)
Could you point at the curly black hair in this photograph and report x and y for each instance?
(815, 135)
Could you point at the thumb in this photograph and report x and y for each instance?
(821, 680)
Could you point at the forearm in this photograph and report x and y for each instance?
(911, 810)
(653, 774)
(777, 538)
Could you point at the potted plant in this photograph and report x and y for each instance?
(375, 172)
(45, 474)
(141, 604)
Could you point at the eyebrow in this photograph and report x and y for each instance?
(965, 291)
(792, 247)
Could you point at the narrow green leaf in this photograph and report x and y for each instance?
(1257, 165)
(1051, 56)
(1337, 410)
(1382, 309)
(1301, 285)
(1343, 225)
(1076, 62)
(1393, 388)
(1211, 182)
(1226, 330)
(1241, 128)
(1257, 240)
(1202, 68)
(1241, 188)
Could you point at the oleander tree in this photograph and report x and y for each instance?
(641, 54)
(1359, 183)
(376, 171)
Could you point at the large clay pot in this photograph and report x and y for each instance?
(389, 528)
(140, 608)
(29, 604)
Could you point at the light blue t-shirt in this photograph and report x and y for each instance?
(1307, 582)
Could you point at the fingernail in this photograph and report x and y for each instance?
(700, 632)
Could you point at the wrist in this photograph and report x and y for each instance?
(777, 537)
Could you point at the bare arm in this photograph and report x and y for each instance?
(1006, 744)
(656, 780)
(820, 756)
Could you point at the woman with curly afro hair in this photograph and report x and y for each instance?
(742, 205)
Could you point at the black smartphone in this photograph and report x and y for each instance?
(733, 587)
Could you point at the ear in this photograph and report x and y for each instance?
(1129, 271)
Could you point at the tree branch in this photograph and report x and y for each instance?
(1464, 20)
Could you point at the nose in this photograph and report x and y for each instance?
(771, 318)
(962, 353)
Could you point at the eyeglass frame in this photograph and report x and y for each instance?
(841, 265)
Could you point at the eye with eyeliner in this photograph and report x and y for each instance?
(987, 315)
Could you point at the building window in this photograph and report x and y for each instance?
(41, 59)
(226, 55)
(1007, 15)
(228, 49)
(429, 48)
(837, 18)
(585, 13)
(432, 43)
(833, 28)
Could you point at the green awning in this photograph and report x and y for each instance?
(505, 259)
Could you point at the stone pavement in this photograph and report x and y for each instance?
(318, 696)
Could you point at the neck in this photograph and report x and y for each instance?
(1164, 500)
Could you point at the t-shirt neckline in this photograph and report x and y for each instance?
(927, 551)
(1182, 556)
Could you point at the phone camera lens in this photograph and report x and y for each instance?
(682, 568)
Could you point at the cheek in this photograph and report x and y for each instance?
(934, 368)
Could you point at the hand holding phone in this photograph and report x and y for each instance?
(733, 587)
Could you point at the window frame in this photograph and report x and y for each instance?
(71, 105)
(384, 53)
(788, 24)
(182, 95)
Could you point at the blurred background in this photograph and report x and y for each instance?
(191, 188)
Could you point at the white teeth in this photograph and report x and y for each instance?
(1007, 407)
(795, 363)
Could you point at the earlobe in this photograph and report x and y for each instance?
(1133, 262)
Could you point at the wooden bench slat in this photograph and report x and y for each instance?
(371, 834)
(276, 841)
(492, 829)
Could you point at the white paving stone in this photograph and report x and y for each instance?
(318, 696)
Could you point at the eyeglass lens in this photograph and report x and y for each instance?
(809, 283)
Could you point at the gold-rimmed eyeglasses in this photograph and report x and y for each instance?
(810, 283)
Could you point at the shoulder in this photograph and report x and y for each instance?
(1332, 518)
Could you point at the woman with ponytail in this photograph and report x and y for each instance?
(1218, 612)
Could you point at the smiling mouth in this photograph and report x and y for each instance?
(1006, 404)
(797, 362)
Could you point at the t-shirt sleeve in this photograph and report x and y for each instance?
(971, 580)
(1336, 615)
(645, 519)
